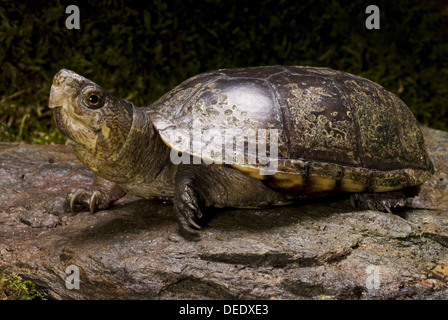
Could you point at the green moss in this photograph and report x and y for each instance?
(13, 287)
(140, 51)
(326, 297)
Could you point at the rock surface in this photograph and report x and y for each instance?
(308, 251)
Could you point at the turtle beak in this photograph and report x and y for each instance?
(55, 100)
(58, 93)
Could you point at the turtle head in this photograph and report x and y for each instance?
(94, 122)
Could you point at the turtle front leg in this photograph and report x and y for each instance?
(101, 195)
(187, 199)
(198, 186)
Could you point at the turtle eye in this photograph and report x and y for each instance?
(93, 100)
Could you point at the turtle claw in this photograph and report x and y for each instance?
(96, 195)
(186, 221)
(92, 199)
(188, 228)
(193, 223)
(353, 201)
(75, 199)
(187, 209)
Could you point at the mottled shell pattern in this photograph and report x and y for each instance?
(336, 131)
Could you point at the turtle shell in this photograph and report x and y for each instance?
(324, 129)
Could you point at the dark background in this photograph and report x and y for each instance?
(140, 50)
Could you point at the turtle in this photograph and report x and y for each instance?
(244, 138)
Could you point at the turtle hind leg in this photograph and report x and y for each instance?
(384, 201)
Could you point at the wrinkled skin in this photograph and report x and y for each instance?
(118, 141)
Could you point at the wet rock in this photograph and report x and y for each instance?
(318, 248)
